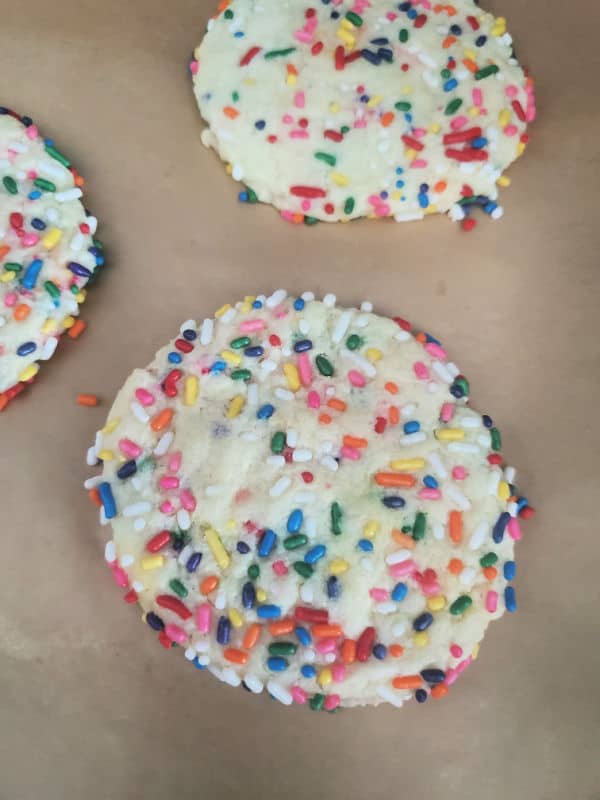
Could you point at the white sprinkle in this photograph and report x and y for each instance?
(470, 421)
(330, 463)
(479, 536)
(329, 300)
(309, 655)
(408, 216)
(467, 576)
(90, 457)
(456, 213)
(277, 691)
(402, 336)
(276, 298)
(48, 349)
(413, 438)
(438, 531)
(512, 508)
(189, 653)
(366, 306)
(231, 677)
(203, 646)
(283, 394)
(189, 324)
(433, 387)
(366, 564)
(493, 482)
(237, 173)
(497, 213)
(285, 351)
(510, 474)
(426, 59)
(206, 331)
(183, 519)
(135, 509)
(276, 461)
(329, 658)
(136, 482)
(361, 362)
(127, 560)
(441, 371)
(93, 223)
(291, 437)
(203, 660)
(307, 595)
(92, 482)
(388, 695)
(362, 322)
(249, 436)
(386, 608)
(308, 297)
(341, 326)
(252, 395)
(138, 586)
(280, 486)
(461, 501)
(52, 169)
(436, 465)
(163, 443)
(254, 684)
(304, 498)
(463, 447)
(301, 455)
(228, 316)
(139, 524)
(110, 551)
(406, 412)
(398, 557)
(485, 439)
(220, 600)
(303, 326)
(454, 370)
(310, 527)
(398, 629)
(267, 366)
(139, 412)
(212, 491)
(77, 242)
(67, 195)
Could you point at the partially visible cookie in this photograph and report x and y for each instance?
(47, 250)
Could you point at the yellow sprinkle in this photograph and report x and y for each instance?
(504, 117)
(261, 595)
(473, 111)
(220, 311)
(106, 455)
(80, 296)
(153, 562)
(346, 37)
(220, 555)
(503, 180)
(68, 322)
(235, 618)
(7, 276)
(407, 464)
(411, 154)
(450, 434)
(231, 523)
(396, 195)
(291, 373)
(338, 566)
(334, 107)
(345, 23)
(245, 307)
(51, 238)
(111, 425)
(325, 677)
(470, 54)
(436, 603)
(503, 490)
(196, 52)
(249, 82)
(230, 357)
(236, 404)
(374, 101)
(29, 372)
(339, 179)
(190, 390)
(421, 639)
(371, 528)
(520, 148)
(475, 652)
(435, 127)
(249, 298)
(49, 326)
(431, 209)
(407, 90)
(228, 170)
(291, 79)
(373, 354)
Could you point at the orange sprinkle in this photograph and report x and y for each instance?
(440, 186)
(387, 119)
(403, 539)
(21, 312)
(76, 329)
(455, 523)
(400, 480)
(251, 636)
(291, 69)
(420, 337)
(337, 404)
(439, 690)
(407, 682)
(448, 42)
(230, 112)
(348, 651)
(4, 250)
(87, 400)
(325, 419)
(393, 415)
(355, 441)
(94, 496)
(391, 387)
(3, 402)
(470, 65)
(209, 584)
(396, 650)
(455, 566)
(297, 219)
(235, 656)
(281, 627)
(79, 181)
(162, 419)
(490, 573)
(321, 631)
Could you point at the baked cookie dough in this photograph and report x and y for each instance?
(301, 498)
(47, 250)
(336, 110)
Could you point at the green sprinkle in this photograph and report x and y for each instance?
(336, 518)
(496, 439)
(177, 586)
(228, 14)
(324, 366)
(406, 529)
(295, 541)
(403, 35)
(464, 384)
(52, 289)
(12, 266)
(419, 526)
(303, 569)
(253, 571)
(252, 196)
(235, 96)
(353, 342)
(310, 220)
(485, 72)
(488, 560)
(278, 442)
(446, 73)
(282, 648)
(146, 464)
(354, 19)
(403, 105)
(349, 205)
(316, 702)
(460, 605)
(241, 341)
(277, 53)
(344, 129)
(453, 106)
(328, 158)
(44, 185)
(54, 153)
(179, 539)
(241, 375)
(10, 184)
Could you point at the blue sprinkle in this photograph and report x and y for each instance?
(174, 358)
(380, 40)
(303, 635)
(254, 351)
(408, 116)
(154, 621)
(500, 527)
(266, 411)
(487, 421)
(315, 553)
(430, 482)
(223, 630)
(510, 599)
(260, 124)
(433, 675)
(303, 345)
(490, 207)
(366, 545)
(334, 587)
(308, 671)
(430, 338)
(384, 195)
(126, 470)
(335, 15)
(423, 200)
(394, 502)
(32, 273)
(26, 348)
(450, 84)
(193, 562)
(412, 13)
(238, 34)
(522, 503)
(242, 548)
(243, 197)
(456, 30)
(267, 543)
(298, 304)
(399, 170)
(399, 592)
(277, 663)
(510, 570)
(399, 184)
(197, 664)
(372, 58)
(268, 612)
(35, 195)
(424, 187)
(380, 651)
(386, 54)
(38, 224)
(79, 269)
(248, 595)
(218, 366)
(108, 501)
(295, 520)
(478, 142)
(406, 6)
(423, 621)
(257, 304)
(189, 335)
(412, 426)
(420, 695)
(480, 40)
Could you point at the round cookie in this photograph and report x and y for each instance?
(336, 110)
(47, 251)
(302, 499)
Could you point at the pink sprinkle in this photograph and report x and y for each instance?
(203, 617)
(419, 163)
(458, 123)
(374, 200)
(352, 453)
(313, 400)
(303, 36)
(403, 568)
(456, 650)
(464, 664)
(306, 205)
(120, 576)
(514, 529)
(167, 507)
(311, 24)
(326, 645)
(145, 397)
(169, 482)
(383, 210)
(459, 473)
(252, 325)
(10, 299)
(511, 91)
(356, 378)
(430, 589)
(391, 16)
(436, 350)
(174, 461)
(332, 701)
(299, 133)
(429, 494)
(287, 119)
(338, 672)
(176, 634)
(194, 66)
(451, 676)
(299, 695)
(242, 496)
(31, 131)
(491, 601)
(379, 594)
(299, 99)
(421, 371)
(447, 412)
(188, 501)
(280, 568)
(129, 448)
(511, 130)
(30, 239)
(419, 132)
(477, 96)
(360, 123)
(304, 369)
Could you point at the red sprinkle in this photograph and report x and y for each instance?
(380, 424)
(468, 154)
(473, 23)
(173, 604)
(353, 56)
(461, 136)
(333, 135)
(316, 48)
(468, 224)
(254, 51)
(159, 541)
(274, 340)
(184, 346)
(420, 21)
(339, 58)
(410, 141)
(518, 109)
(365, 643)
(495, 459)
(308, 477)
(317, 615)
(131, 596)
(164, 640)
(307, 191)
(527, 512)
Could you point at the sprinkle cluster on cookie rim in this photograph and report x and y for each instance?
(316, 569)
(48, 254)
(433, 86)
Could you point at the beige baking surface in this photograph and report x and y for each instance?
(91, 706)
